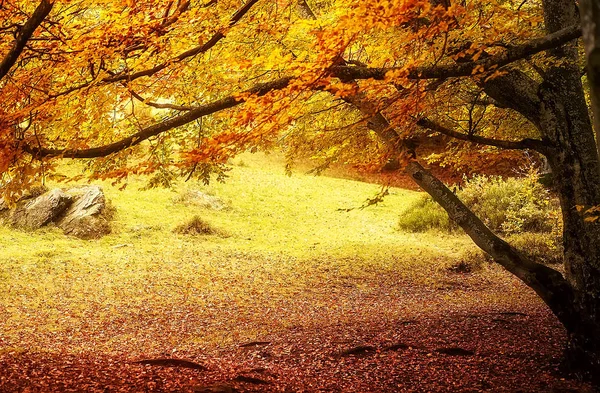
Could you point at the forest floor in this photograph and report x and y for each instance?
(291, 295)
(464, 348)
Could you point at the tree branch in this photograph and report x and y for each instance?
(24, 34)
(468, 68)
(159, 128)
(218, 36)
(160, 106)
(548, 283)
(516, 90)
(533, 144)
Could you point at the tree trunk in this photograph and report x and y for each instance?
(574, 161)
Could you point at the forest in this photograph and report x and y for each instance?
(299, 196)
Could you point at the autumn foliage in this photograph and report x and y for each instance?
(97, 79)
(183, 86)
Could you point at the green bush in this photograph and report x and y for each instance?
(540, 247)
(423, 215)
(512, 205)
(506, 206)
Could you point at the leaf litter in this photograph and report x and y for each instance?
(452, 342)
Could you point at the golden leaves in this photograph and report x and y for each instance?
(591, 214)
(121, 37)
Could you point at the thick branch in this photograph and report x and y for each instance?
(549, 284)
(24, 34)
(533, 144)
(468, 68)
(159, 128)
(516, 90)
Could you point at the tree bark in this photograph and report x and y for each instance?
(590, 25)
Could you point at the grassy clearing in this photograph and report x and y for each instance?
(290, 259)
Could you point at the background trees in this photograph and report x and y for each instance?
(155, 86)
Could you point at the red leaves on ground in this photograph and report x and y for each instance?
(485, 351)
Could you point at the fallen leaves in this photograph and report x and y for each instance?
(463, 349)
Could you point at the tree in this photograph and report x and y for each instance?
(87, 80)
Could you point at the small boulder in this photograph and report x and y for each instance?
(201, 199)
(79, 211)
(86, 217)
(39, 211)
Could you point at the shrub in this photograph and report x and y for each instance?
(540, 247)
(423, 215)
(512, 205)
(506, 206)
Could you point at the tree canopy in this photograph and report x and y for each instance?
(159, 85)
(89, 80)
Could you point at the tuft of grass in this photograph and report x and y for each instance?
(470, 261)
(197, 226)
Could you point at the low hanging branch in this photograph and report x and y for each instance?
(468, 68)
(157, 129)
(548, 283)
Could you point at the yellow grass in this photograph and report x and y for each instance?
(290, 253)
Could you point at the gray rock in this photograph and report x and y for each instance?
(86, 217)
(39, 211)
(198, 198)
(79, 211)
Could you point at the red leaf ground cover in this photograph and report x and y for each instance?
(477, 348)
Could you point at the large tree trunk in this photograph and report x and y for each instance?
(557, 107)
(574, 160)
